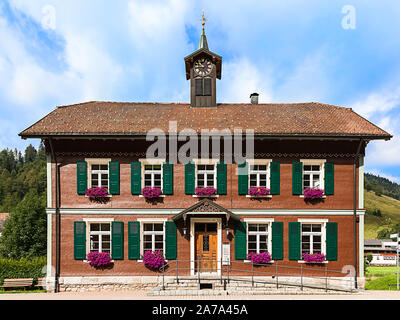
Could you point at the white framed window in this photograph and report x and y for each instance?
(206, 175)
(153, 175)
(259, 175)
(153, 236)
(313, 173)
(257, 237)
(100, 236)
(98, 172)
(313, 235)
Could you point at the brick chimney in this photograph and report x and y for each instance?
(254, 98)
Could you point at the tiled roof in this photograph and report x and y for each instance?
(124, 118)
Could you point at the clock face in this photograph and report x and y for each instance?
(203, 66)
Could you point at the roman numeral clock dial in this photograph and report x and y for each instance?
(202, 66)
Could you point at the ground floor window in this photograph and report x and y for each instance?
(100, 237)
(153, 236)
(311, 238)
(257, 237)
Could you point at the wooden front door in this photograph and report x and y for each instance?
(206, 243)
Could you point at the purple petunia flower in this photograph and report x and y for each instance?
(205, 191)
(259, 258)
(151, 192)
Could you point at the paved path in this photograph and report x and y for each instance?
(141, 295)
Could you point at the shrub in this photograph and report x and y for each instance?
(22, 268)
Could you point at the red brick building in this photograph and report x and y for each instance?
(296, 146)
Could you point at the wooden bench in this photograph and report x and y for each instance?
(17, 283)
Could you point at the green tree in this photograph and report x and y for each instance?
(30, 153)
(24, 233)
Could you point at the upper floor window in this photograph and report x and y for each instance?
(312, 176)
(99, 175)
(153, 175)
(258, 175)
(206, 176)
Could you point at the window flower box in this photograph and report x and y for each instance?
(205, 192)
(259, 192)
(313, 194)
(151, 192)
(153, 260)
(259, 258)
(99, 259)
(313, 258)
(99, 194)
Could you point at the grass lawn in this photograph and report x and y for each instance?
(382, 283)
(380, 271)
(21, 291)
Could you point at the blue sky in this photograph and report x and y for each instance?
(56, 52)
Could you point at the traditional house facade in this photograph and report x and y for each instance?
(213, 212)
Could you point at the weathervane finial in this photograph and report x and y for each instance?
(204, 20)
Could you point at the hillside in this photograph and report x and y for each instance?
(390, 215)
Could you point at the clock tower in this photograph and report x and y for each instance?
(203, 67)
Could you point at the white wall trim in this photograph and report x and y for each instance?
(49, 245)
(49, 184)
(361, 183)
(255, 212)
(361, 246)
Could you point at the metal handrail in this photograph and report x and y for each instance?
(229, 269)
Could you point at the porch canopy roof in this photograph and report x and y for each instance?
(205, 206)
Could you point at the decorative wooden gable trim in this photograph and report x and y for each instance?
(206, 206)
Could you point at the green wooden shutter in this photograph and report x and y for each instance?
(134, 240)
(329, 178)
(168, 178)
(136, 176)
(113, 174)
(294, 241)
(297, 178)
(170, 240)
(79, 240)
(240, 241)
(117, 240)
(277, 240)
(81, 177)
(331, 241)
(275, 177)
(243, 178)
(189, 178)
(221, 178)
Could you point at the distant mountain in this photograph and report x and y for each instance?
(381, 186)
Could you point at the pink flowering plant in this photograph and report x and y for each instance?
(153, 259)
(259, 258)
(97, 193)
(205, 191)
(259, 191)
(99, 259)
(313, 258)
(313, 193)
(151, 192)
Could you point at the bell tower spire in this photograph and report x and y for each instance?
(203, 68)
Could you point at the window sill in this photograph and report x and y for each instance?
(268, 196)
(249, 261)
(212, 196)
(160, 196)
(142, 261)
(302, 196)
(87, 261)
(302, 261)
(107, 196)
